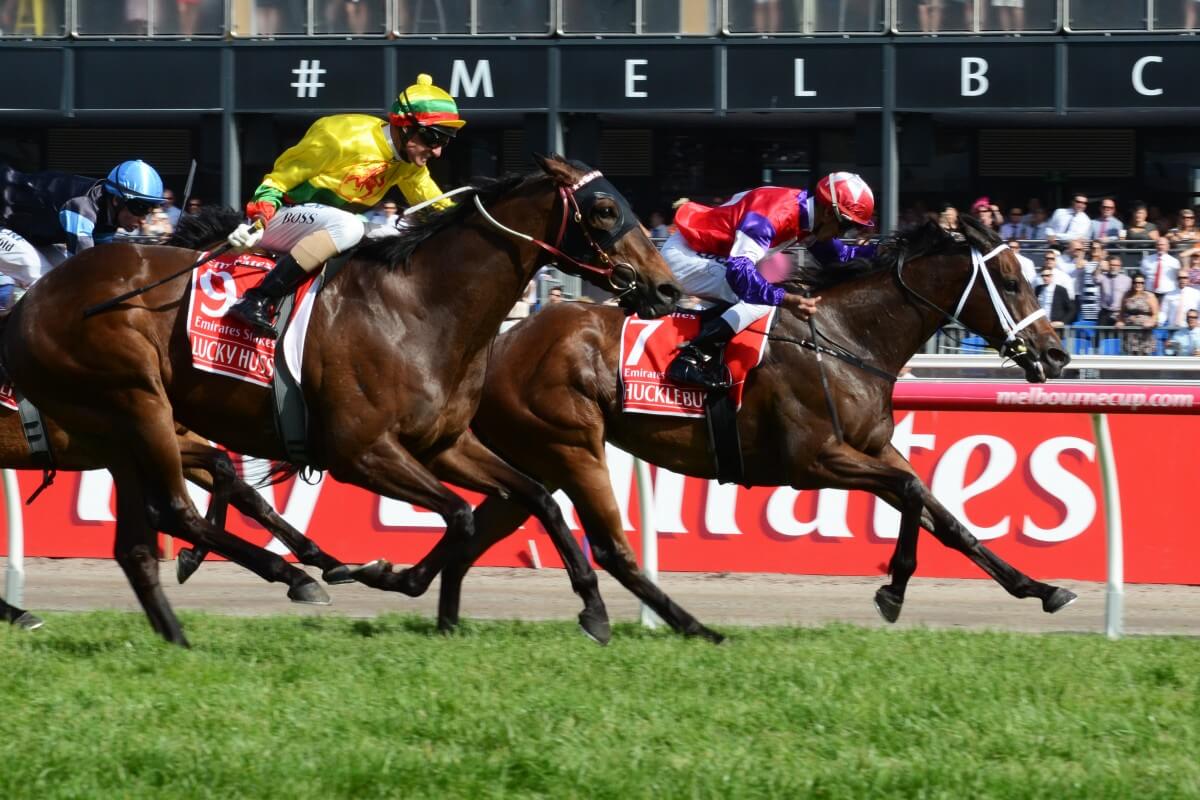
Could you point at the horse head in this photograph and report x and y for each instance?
(993, 299)
(607, 246)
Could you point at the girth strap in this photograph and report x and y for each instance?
(39, 444)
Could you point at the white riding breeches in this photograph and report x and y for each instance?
(22, 261)
(704, 277)
(292, 223)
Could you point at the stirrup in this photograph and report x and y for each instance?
(689, 370)
(255, 316)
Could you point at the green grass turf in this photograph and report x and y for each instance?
(94, 705)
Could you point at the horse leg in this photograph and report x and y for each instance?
(19, 617)
(387, 468)
(889, 599)
(471, 465)
(952, 533)
(584, 472)
(156, 450)
(841, 466)
(135, 551)
(249, 502)
(211, 470)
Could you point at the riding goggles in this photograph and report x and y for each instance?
(139, 208)
(433, 137)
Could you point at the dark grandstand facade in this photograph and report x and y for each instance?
(673, 98)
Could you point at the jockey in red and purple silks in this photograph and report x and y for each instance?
(716, 251)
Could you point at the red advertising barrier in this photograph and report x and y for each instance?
(1026, 483)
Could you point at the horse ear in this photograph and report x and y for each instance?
(555, 166)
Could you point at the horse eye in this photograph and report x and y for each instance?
(1010, 284)
(607, 212)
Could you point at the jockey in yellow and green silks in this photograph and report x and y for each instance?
(344, 164)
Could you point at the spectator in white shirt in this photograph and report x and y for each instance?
(1186, 342)
(1069, 224)
(1014, 227)
(1062, 277)
(1106, 227)
(1028, 268)
(1036, 227)
(1160, 268)
(1178, 303)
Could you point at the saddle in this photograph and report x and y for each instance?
(648, 347)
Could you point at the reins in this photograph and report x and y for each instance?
(567, 193)
(1012, 346)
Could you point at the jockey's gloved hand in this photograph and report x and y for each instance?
(246, 235)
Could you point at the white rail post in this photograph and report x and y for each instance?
(14, 578)
(649, 532)
(1114, 596)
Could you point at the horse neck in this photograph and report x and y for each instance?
(877, 316)
(481, 271)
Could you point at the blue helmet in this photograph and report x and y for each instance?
(135, 180)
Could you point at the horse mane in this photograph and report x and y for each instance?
(209, 225)
(395, 251)
(915, 241)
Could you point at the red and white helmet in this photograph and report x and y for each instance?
(849, 195)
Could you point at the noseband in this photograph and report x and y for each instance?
(1012, 346)
(625, 223)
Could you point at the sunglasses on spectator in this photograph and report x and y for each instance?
(139, 208)
(432, 137)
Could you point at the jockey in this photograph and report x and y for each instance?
(344, 164)
(715, 253)
(41, 210)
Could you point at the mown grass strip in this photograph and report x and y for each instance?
(95, 706)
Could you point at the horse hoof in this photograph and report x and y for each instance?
(371, 574)
(888, 604)
(309, 592)
(335, 576)
(1059, 599)
(713, 636)
(28, 622)
(186, 562)
(595, 627)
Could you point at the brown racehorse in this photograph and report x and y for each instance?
(205, 466)
(393, 368)
(551, 401)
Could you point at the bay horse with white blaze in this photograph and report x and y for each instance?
(393, 367)
(552, 400)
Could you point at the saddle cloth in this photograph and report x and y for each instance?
(647, 347)
(8, 397)
(225, 346)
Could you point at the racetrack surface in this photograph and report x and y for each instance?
(716, 599)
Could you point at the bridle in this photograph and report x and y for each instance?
(620, 275)
(1012, 346)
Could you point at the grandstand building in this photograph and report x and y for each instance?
(928, 99)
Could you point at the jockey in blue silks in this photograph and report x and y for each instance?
(44, 209)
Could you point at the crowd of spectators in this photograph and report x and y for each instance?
(1119, 283)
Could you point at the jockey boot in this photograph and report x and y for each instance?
(698, 363)
(258, 306)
